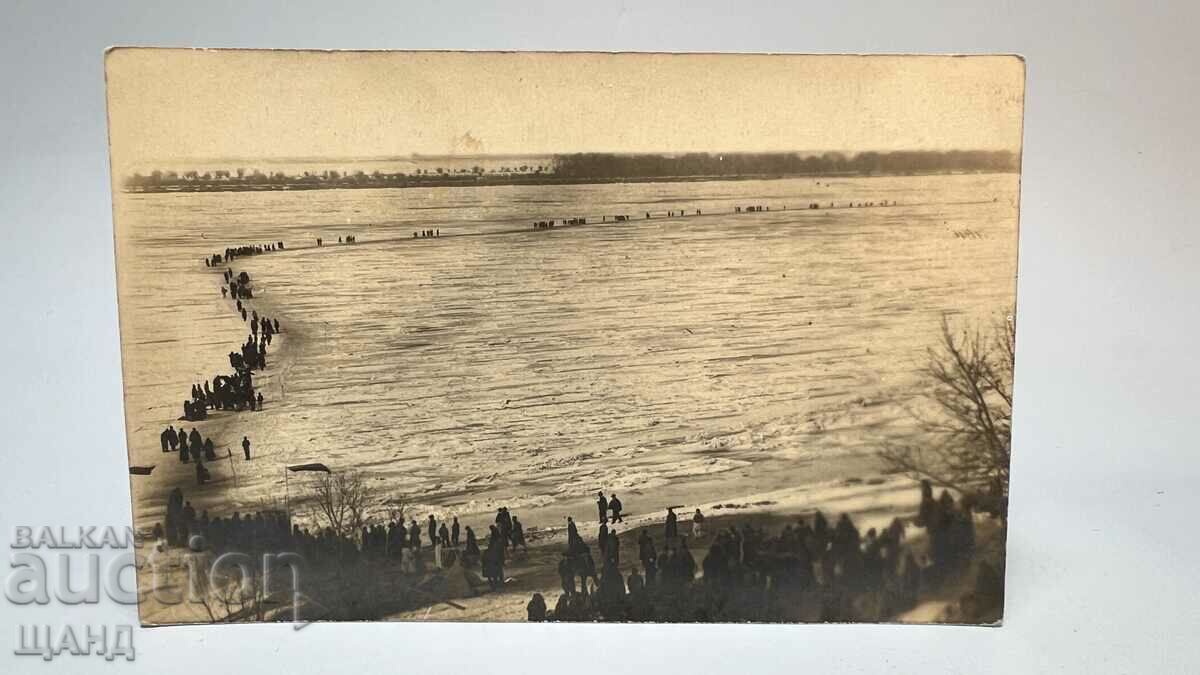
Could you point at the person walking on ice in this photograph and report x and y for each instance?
(614, 505)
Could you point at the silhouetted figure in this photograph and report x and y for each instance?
(671, 531)
(574, 541)
(614, 505)
(685, 561)
(612, 593)
(646, 552)
(472, 545)
(401, 541)
(566, 574)
(602, 506)
(518, 535)
(246, 447)
(927, 514)
(493, 557)
(536, 609)
(454, 533)
(612, 550)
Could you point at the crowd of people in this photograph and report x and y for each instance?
(427, 234)
(811, 570)
(262, 531)
(414, 548)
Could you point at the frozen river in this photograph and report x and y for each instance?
(530, 367)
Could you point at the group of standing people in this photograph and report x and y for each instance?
(811, 570)
(190, 446)
(194, 447)
(262, 531)
(448, 543)
(238, 287)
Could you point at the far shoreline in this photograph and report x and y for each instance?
(407, 182)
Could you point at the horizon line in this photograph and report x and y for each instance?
(514, 155)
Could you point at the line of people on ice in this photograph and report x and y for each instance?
(228, 392)
(234, 252)
(810, 571)
(427, 234)
(236, 391)
(757, 208)
(262, 329)
(253, 354)
(550, 224)
(238, 288)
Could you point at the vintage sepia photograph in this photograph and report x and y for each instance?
(566, 337)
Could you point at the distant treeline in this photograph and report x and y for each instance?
(254, 179)
(606, 165)
(593, 168)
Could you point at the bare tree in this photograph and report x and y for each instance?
(969, 436)
(340, 501)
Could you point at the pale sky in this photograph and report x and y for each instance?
(170, 104)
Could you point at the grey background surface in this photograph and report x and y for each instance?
(1101, 551)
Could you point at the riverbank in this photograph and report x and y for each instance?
(470, 180)
(871, 501)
